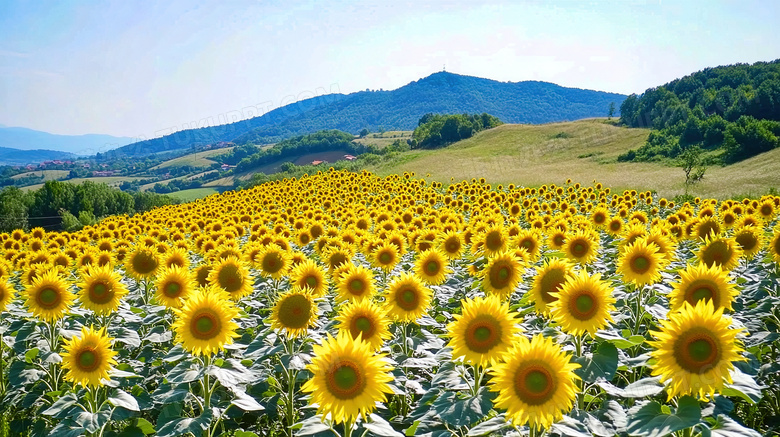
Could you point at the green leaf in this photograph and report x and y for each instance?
(728, 427)
(145, 426)
(462, 412)
(571, 426)
(618, 340)
(63, 405)
(311, 426)
(244, 434)
(643, 388)
(491, 425)
(244, 401)
(124, 399)
(183, 425)
(379, 426)
(92, 421)
(30, 355)
(127, 336)
(744, 386)
(650, 420)
(186, 371)
(602, 364)
(168, 393)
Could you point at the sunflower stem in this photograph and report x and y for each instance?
(580, 383)
(478, 374)
(2, 362)
(639, 311)
(206, 383)
(348, 427)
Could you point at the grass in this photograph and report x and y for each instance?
(48, 175)
(193, 194)
(197, 159)
(585, 150)
(113, 181)
(384, 139)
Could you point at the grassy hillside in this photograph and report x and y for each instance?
(384, 139)
(584, 151)
(48, 175)
(196, 159)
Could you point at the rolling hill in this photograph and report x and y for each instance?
(32, 140)
(399, 109)
(9, 156)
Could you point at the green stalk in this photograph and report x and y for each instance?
(206, 383)
(348, 428)
(478, 374)
(580, 383)
(639, 311)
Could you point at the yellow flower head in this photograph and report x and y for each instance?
(581, 246)
(584, 304)
(640, 263)
(204, 324)
(142, 263)
(347, 378)
(720, 251)
(88, 359)
(355, 283)
(703, 283)
(484, 331)
(49, 297)
(366, 321)
(101, 289)
(502, 274)
(232, 275)
(295, 311)
(536, 382)
(431, 267)
(6, 294)
(695, 350)
(548, 282)
(407, 298)
(173, 286)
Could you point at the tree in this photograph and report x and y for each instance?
(364, 133)
(693, 166)
(611, 110)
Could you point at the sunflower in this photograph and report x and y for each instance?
(407, 298)
(385, 256)
(142, 263)
(615, 226)
(584, 304)
(88, 359)
(101, 289)
(176, 257)
(695, 350)
(640, 263)
(581, 246)
(431, 267)
(528, 239)
(484, 331)
(720, 251)
(501, 274)
(774, 246)
(548, 282)
(204, 324)
(310, 275)
(666, 246)
(750, 239)
(599, 216)
(273, 262)
(231, 275)
(173, 286)
(451, 245)
(6, 294)
(202, 274)
(536, 382)
(295, 312)
(355, 283)
(348, 379)
(492, 240)
(49, 296)
(366, 321)
(703, 283)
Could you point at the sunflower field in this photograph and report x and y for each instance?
(347, 304)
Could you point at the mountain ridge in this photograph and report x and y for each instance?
(399, 109)
(22, 138)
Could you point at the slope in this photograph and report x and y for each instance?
(29, 139)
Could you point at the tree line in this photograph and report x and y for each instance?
(65, 206)
(438, 130)
(734, 110)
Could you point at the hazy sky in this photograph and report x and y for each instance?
(140, 69)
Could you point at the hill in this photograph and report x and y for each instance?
(9, 156)
(732, 109)
(584, 151)
(399, 109)
(32, 140)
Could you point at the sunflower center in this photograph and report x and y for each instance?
(230, 278)
(599, 218)
(272, 263)
(295, 311)
(697, 351)
(144, 263)
(363, 324)
(747, 241)
(534, 384)
(452, 246)
(432, 267)
(483, 334)
(558, 240)
(205, 325)
(551, 283)
(172, 289)
(494, 241)
(640, 264)
(583, 306)
(407, 299)
(702, 290)
(100, 293)
(311, 281)
(345, 380)
(385, 258)
(356, 286)
(87, 360)
(500, 275)
(49, 298)
(718, 253)
(579, 249)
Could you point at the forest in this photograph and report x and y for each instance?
(733, 111)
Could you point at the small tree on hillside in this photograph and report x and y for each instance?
(693, 166)
(611, 110)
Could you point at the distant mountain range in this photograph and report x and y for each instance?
(84, 145)
(399, 109)
(10, 156)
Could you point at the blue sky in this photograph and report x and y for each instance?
(141, 69)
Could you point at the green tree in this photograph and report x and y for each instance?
(611, 111)
(364, 133)
(13, 210)
(693, 166)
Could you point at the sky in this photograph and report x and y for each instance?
(142, 69)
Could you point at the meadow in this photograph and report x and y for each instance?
(353, 304)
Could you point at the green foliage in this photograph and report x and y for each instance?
(317, 142)
(438, 130)
(693, 166)
(13, 209)
(736, 107)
